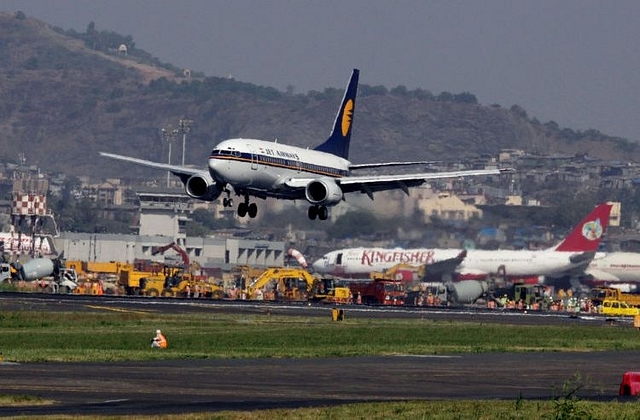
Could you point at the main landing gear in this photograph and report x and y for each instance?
(244, 208)
(321, 212)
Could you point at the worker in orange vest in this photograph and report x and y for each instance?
(159, 341)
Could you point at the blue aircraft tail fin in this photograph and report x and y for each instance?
(338, 141)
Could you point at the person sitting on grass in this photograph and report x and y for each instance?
(159, 341)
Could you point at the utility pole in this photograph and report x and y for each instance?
(185, 127)
(169, 135)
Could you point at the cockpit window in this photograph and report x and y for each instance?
(221, 152)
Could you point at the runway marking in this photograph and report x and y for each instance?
(429, 356)
(114, 401)
(108, 308)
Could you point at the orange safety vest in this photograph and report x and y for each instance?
(162, 341)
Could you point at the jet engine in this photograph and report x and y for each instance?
(203, 187)
(467, 291)
(323, 192)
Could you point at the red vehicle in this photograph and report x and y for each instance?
(378, 292)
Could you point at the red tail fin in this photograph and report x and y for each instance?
(586, 236)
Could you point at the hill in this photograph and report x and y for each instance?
(67, 95)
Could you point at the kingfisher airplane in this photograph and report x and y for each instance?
(571, 256)
(322, 176)
(615, 268)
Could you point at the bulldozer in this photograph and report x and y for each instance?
(330, 290)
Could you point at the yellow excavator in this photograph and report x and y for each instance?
(291, 284)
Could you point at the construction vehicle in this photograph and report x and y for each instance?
(599, 294)
(129, 278)
(182, 284)
(400, 272)
(51, 274)
(531, 296)
(378, 292)
(97, 269)
(290, 284)
(446, 294)
(181, 252)
(330, 290)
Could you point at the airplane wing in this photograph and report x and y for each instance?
(601, 275)
(372, 183)
(369, 184)
(384, 164)
(184, 172)
(582, 258)
(437, 269)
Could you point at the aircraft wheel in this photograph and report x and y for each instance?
(242, 209)
(313, 212)
(323, 213)
(253, 210)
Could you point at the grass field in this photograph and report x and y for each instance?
(28, 336)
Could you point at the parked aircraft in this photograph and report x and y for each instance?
(573, 254)
(322, 176)
(22, 243)
(615, 268)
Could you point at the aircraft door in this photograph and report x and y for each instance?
(339, 259)
(254, 157)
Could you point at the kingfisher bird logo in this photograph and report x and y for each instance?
(592, 230)
(347, 114)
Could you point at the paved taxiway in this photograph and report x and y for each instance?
(163, 387)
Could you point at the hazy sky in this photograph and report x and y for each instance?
(576, 62)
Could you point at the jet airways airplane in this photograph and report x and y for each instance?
(322, 176)
(574, 253)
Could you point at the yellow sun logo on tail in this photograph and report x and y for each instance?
(346, 117)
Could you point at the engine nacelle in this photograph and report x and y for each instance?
(467, 291)
(203, 187)
(323, 191)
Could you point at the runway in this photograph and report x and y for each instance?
(209, 385)
(171, 387)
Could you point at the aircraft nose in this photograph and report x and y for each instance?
(320, 265)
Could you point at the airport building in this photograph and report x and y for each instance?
(163, 214)
(208, 252)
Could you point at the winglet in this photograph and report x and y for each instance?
(338, 141)
(586, 236)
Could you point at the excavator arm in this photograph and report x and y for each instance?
(175, 247)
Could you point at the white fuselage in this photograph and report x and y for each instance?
(24, 244)
(356, 262)
(268, 167)
(623, 267)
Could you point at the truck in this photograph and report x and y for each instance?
(97, 269)
(447, 293)
(531, 296)
(129, 278)
(378, 292)
(599, 294)
(51, 274)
